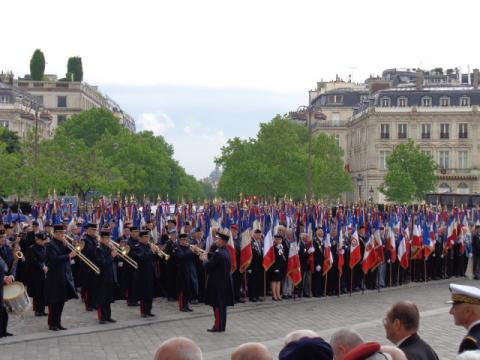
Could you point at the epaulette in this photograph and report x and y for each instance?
(470, 338)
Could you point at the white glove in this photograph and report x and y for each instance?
(249, 271)
(388, 261)
(120, 264)
(318, 268)
(311, 250)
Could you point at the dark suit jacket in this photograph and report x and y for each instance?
(417, 349)
(471, 341)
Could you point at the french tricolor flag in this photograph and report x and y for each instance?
(268, 249)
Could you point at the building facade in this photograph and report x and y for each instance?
(20, 112)
(58, 99)
(438, 112)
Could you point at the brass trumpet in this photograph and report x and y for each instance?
(123, 251)
(160, 252)
(198, 250)
(78, 250)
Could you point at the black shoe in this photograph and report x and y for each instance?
(150, 315)
(111, 321)
(253, 300)
(8, 334)
(240, 301)
(53, 328)
(189, 309)
(102, 322)
(60, 327)
(213, 330)
(259, 299)
(43, 314)
(89, 309)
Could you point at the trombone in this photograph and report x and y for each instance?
(78, 250)
(123, 251)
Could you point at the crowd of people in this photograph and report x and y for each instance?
(401, 323)
(226, 253)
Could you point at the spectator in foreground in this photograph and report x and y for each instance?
(401, 326)
(178, 348)
(252, 351)
(307, 349)
(298, 334)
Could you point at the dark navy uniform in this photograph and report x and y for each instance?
(219, 292)
(104, 293)
(36, 282)
(472, 340)
(144, 277)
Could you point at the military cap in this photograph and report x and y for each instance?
(464, 294)
(91, 226)
(144, 233)
(222, 235)
(58, 227)
(41, 236)
(104, 233)
(183, 236)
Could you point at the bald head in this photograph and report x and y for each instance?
(343, 341)
(298, 334)
(252, 351)
(178, 348)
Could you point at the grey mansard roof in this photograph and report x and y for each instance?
(351, 98)
(414, 96)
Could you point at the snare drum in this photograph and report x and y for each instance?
(16, 298)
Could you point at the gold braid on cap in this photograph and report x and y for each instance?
(458, 298)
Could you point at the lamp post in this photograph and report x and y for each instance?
(371, 192)
(306, 113)
(359, 179)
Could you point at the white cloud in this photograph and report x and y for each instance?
(157, 122)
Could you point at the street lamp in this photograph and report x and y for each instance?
(359, 179)
(371, 191)
(305, 113)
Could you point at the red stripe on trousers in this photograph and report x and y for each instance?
(142, 308)
(180, 301)
(99, 312)
(217, 318)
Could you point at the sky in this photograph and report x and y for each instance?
(201, 72)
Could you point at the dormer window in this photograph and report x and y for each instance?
(335, 99)
(402, 102)
(464, 101)
(385, 101)
(426, 101)
(445, 101)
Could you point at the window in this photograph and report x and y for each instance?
(61, 101)
(426, 129)
(335, 118)
(463, 159)
(4, 99)
(402, 101)
(464, 101)
(402, 131)
(444, 134)
(385, 131)
(382, 160)
(335, 99)
(4, 123)
(427, 152)
(462, 188)
(426, 101)
(463, 131)
(337, 139)
(61, 119)
(39, 99)
(444, 188)
(444, 159)
(363, 98)
(385, 101)
(445, 101)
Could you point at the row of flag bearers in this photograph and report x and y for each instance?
(273, 249)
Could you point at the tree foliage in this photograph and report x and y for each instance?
(275, 163)
(37, 65)
(93, 152)
(411, 174)
(11, 140)
(75, 69)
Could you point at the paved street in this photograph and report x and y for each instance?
(268, 322)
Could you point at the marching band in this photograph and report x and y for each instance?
(221, 255)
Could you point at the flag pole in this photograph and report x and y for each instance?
(339, 277)
(351, 281)
(390, 274)
(325, 284)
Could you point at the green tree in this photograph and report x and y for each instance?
(37, 65)
(329, 177)
(90, 126)
(11, 140)
(411, 174)
(275, 163)
(75, 69)
(11, 164)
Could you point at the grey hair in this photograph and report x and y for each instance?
(349, 338)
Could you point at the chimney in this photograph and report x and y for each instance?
(419, 79)
(475, 78)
